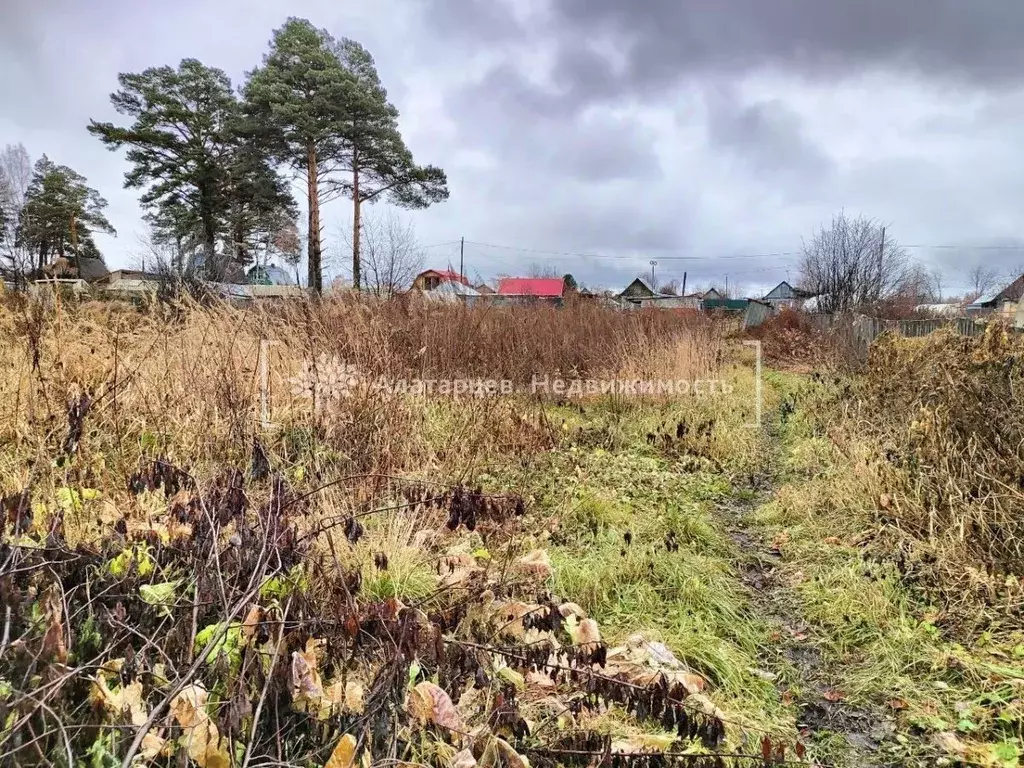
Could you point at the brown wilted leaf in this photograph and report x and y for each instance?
(342, 697)
(510, 616)
(307, 688)
(571, 609)
(780, 540)
(541, 679)
(949, 743)
(154, 746)
(429, 703)
(131, 699)
(498, 753)
(588, 633)
(833, 541)
(833, 695)
(251, 622)
(354, 697)
(126, 700)
(691, 683)
(201, 738)
(344, 754)
(536, 563)
(884, 501)
(53, 640)
(463, 759)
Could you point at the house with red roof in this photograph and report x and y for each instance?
(530, 290)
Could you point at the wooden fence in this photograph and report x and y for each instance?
(860, 331)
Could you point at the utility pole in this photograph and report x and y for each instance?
(653, 283)
(683, 292)
(462, 258)
(727, 286)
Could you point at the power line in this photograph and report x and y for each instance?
(575, 254)
(969, 247)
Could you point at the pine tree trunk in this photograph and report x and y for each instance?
(314, 275)
(74, 246)
(213, 269)
(356, 267)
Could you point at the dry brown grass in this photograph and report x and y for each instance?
(946, 414)
(184, 382)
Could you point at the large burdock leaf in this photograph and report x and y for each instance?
(201, 738)
(252, 620)
(429, 703)
(341, 697)
(160, 595)
(121, 701)
(131, 699)
(344, 754)
(153, 746)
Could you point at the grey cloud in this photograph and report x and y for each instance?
(768, 135)
(518, 120)
(478, 22)
(977, 42)
(665, 41)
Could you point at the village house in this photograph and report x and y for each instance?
(530, 290)
(431, 279)
(1003, 302)
(638, 295)
(785, 295)
(445, 286)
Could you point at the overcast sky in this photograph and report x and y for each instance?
(635, 131)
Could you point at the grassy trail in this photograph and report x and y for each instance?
(743, 551)
(840, 733)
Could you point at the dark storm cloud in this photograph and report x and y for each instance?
(974, 42)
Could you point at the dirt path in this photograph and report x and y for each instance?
(838, 732)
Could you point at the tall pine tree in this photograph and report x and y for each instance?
(203, 183)
(60, 214)
(178, 143)
(378, 162)
(297, 105)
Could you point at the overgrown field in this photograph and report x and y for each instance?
(277, 537)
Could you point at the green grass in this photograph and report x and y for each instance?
(606, 481)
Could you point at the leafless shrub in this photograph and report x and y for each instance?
(853, 263)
